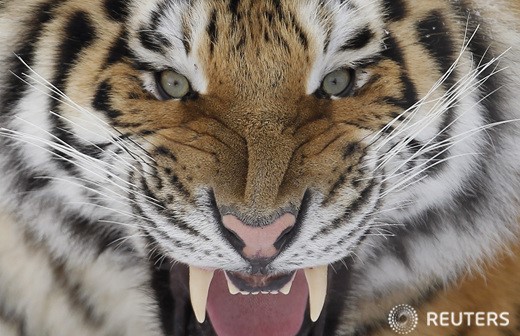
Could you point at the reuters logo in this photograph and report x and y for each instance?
(403, 319)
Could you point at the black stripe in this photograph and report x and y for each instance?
(90, 231)
(346, 175)
(479, 46)
(117, 10)
(473, 199)
(442, 152)
(393, 50)
(27, 179)
(233, 6)
(118, 50)
(360, 40)
(350, 149)
(79, 33)
(233, 9)
(395, 9)
(61, 131)
(280, 14)
(162, 209)
(350, 211)
(14, 89)
(212, 31)
(409, 94)
(148, 35)
(436, 39)
(468, 203)
(149, 40)
(163, 151)
(153, 230)
(300, 32)
(158, 14)
(434, 36)
(279, 10)
(101, 100)
(328, 38)
(76, 295)
(31, 181)
(174, 181)
(186, 36)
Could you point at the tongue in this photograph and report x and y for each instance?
(257, 315)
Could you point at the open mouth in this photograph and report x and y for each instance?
(256, 305)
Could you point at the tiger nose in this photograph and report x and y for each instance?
(259, 242)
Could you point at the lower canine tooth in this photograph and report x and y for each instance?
(233, 290)
(317, 282)
(200, 281)
(287, 288)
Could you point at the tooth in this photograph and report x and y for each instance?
(317, 282)
(199, 286)
(264, 292)
(255, 293)
(287, 288)
(233, 290)
(273, 292)
(245, 293)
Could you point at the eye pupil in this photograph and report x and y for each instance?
(173, 84)
(338, 83)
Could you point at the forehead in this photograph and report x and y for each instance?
(268, 41)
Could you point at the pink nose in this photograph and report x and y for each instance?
(259, 241)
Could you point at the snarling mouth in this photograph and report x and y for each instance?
(241, 304)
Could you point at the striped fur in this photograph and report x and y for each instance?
(404, 187)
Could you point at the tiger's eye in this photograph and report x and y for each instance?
(174, 84)
(338, 83)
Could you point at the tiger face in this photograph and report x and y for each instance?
(268, 147)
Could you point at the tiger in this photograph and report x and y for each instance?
(262, 168)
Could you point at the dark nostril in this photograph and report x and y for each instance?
(283, 238)
(234, 239)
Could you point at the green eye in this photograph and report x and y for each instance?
(173, 84)
(338, 83)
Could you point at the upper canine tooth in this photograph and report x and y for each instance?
(233, 290)
(200, 281)
(287, 288)
(317, 282)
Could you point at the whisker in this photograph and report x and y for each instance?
(99, 121)
(123, 213)
(15, 135)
